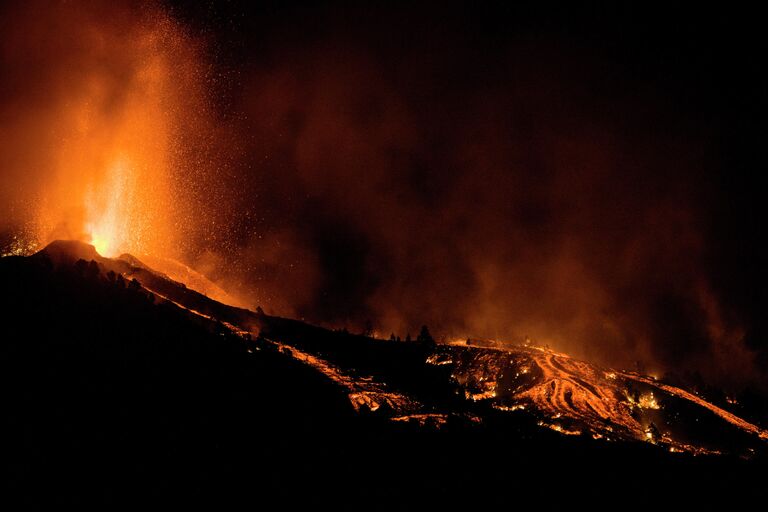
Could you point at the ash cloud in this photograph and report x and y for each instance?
(523, 189)
(107, 128)
(497, 175)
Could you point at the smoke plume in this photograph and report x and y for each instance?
(406, 175)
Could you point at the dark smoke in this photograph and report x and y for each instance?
(497, 173)
(503, 182)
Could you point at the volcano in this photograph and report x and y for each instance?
(116, 377)
(449, 256)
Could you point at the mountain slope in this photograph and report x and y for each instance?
(114, 393)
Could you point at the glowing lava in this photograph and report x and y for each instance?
(120, 134)
(108, 211)
(573, 397)
(117, 137)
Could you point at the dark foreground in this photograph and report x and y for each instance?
(112, 397)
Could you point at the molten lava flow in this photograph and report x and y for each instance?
(363, 393)
(725, 415)
(573, 396)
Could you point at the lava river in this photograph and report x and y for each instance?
(576, 397)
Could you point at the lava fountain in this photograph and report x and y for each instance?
(113, 165)
(108, 213)
(112, 115)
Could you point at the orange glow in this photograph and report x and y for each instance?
(108, 211)
(581, 396)
(111, 187)
(113, 142)
(116, 161)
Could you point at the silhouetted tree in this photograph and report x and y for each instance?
(81, 267)
(392, 337)
(408, 338)
(425, 338)
(93, 270)
(368, 329)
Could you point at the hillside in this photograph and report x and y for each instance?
(118, 391)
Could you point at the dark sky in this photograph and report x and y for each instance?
(670, 99)
(562, 139)
(587, 176)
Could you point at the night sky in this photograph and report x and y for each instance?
(588, 176)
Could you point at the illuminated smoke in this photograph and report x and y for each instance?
(518, 203)
(99, 100)
(506, 196)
